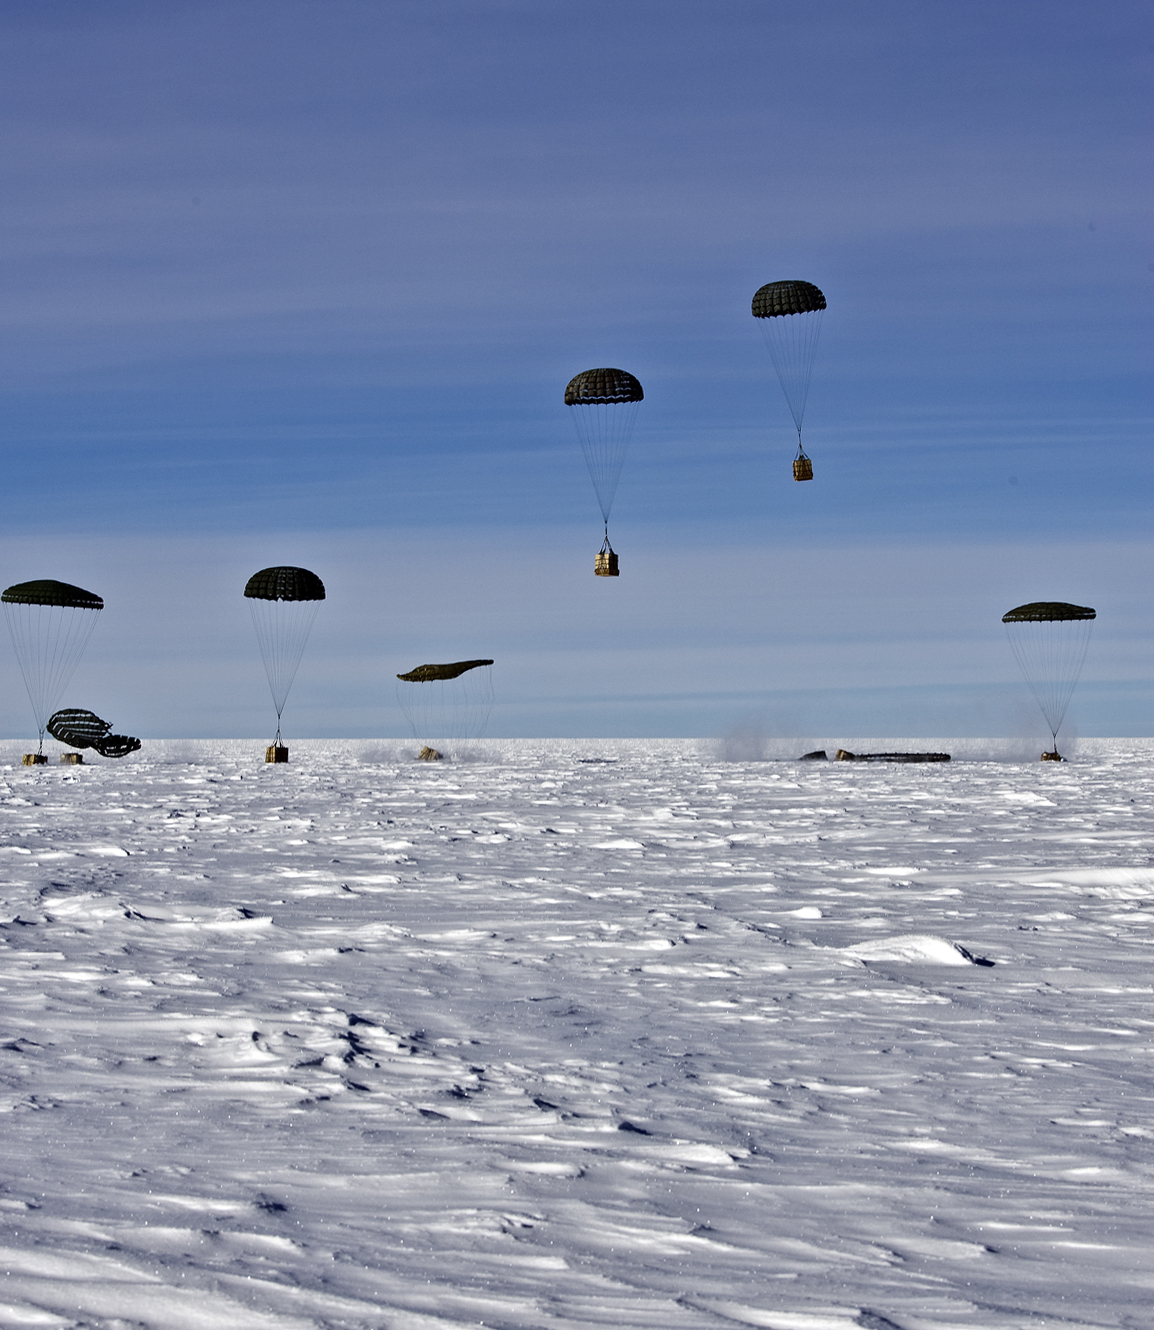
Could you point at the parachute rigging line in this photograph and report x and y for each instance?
(284, 602)
(1049, 640)
(790, 316)
(604, 406)
(50, 623)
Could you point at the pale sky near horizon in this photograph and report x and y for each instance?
(302, 283)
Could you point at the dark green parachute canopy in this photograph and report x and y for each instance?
(1048, 611)
(596, 387)
(48, 592)
(78, 728)
(430, 673)
(776, 298)
(284, 584)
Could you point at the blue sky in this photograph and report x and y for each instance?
(303, 283)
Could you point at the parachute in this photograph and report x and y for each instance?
(77, 728)
(603, 406)
(447, 704)
(1049, 639)
(50, 623)
(284, 604)
(790, 317)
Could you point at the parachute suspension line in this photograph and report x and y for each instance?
(49, 641)
(1050, 655)
(448, 714)
(791, 340)
(282, 631)
(604, 430)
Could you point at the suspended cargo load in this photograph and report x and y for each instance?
(790, 314)
(604, 406)
(284, 601)
(447, 706)
(50, 623)
(1049, 639)
(605, 564)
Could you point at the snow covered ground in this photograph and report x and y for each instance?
(577, 1034)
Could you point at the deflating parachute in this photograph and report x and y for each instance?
(284, 603)
(50, 623)
(77, 728)
(790, 317)
(448, 704)
(1049, 639)
(603, 406)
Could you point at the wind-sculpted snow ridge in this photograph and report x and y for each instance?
(576, 1034)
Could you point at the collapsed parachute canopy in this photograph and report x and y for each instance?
(447, 706)
(284, 603)
(77, 728)
(604, 408)
(50, 623)
(791, 341)
(430, 673)
(1049, 639)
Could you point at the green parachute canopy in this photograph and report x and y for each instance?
(50, 623)
(284, 603)
(596, 387)
(777, 298)
(431, 673)
(48, 592)
(1049, 639)
(284, 584)
(1048, 611)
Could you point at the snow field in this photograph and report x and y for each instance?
(576, 1034)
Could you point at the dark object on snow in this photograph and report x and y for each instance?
(969, 955)
(71, 759)
(77, 728)
(428, 754)
(431, 673)
(117, 745)
(843, 756)
(818, 755)
(34, 760)
(1055, 756)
